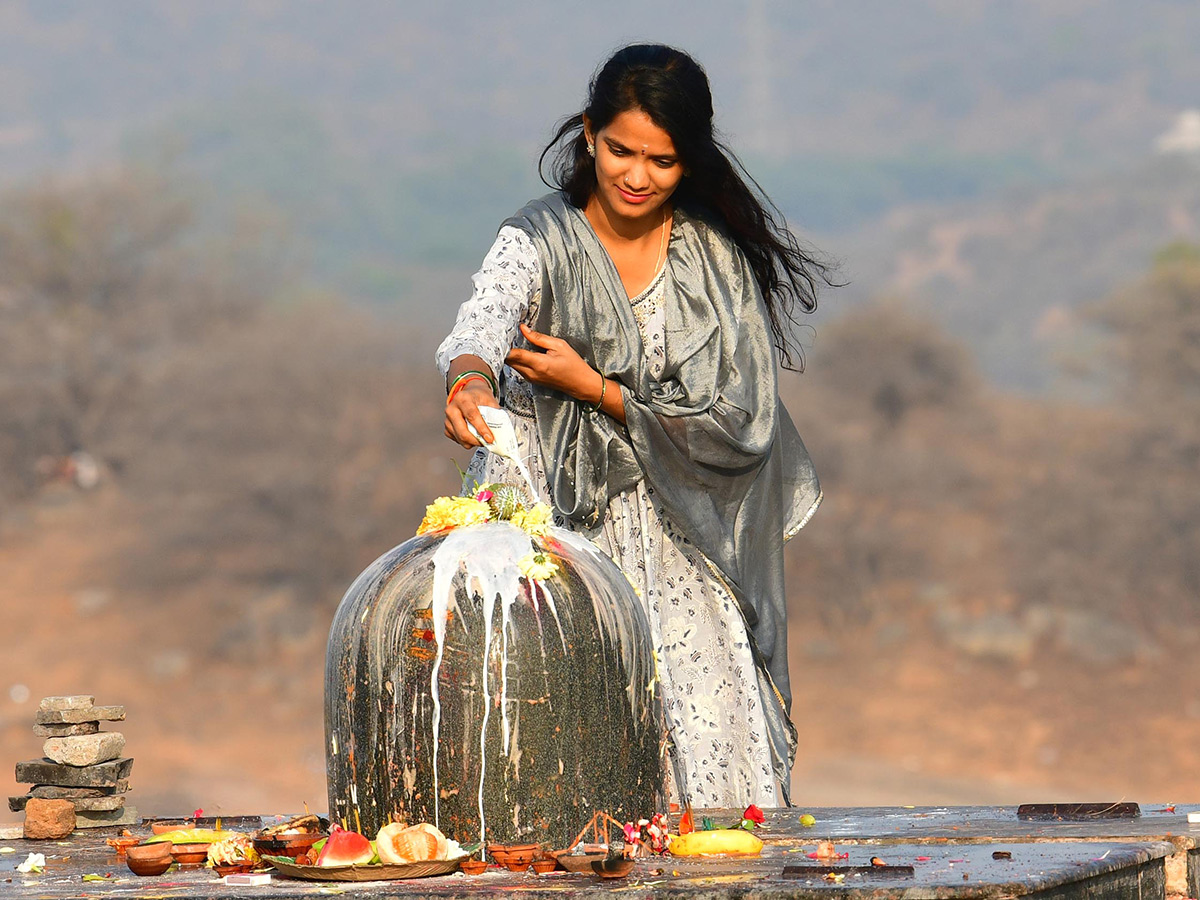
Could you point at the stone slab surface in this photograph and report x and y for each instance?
(47, 771)
(85, 714)
(81, 804)
(85, 818)
(57, 792)
(99, 804)
(74, 701)
(1054, 870)
(882, 826)
(66, 730)
(85, 749)
(964, 824)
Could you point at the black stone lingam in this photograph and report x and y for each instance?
(497, 707)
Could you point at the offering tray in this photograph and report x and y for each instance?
(372, 872)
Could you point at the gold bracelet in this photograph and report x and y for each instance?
(603, 391)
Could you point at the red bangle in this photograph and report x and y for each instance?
(463, 383)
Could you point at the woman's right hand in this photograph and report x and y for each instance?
(464, 408)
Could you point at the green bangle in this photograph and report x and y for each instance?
(484, 375)
(603, 391)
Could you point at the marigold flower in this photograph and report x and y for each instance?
(537, 566)
(533, 521)
(445, 513)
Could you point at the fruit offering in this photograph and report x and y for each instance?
(345, 848)
(733, 841)
(400, 844)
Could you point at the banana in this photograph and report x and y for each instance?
(732, 841)
(190, 836)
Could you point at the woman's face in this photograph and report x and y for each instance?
(637, 168)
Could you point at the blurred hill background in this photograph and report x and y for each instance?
(231, 235)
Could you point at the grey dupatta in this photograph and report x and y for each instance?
(710, 436)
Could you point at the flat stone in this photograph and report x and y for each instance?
(48, 819)
(85, 714)
(85, 818)
(80, 804)
(99, 804)
(85, 749)
(47, 771)
(58, 792)
(66, 730)
(75, 701)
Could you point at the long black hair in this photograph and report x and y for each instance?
(672, 89)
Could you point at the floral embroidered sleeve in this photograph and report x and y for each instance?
(503, 296)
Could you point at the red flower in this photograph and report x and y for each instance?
(754, 814)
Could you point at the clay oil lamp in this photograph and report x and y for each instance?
(545, 864)
(149, 859)
(189, 855)
(613, 866)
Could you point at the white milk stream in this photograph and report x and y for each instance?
(490, 572)
(487, 557)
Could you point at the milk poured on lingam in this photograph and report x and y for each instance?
(495, 677)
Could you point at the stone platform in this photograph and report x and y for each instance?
(957, 852)
(968, 825)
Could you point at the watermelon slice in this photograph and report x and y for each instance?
(345, 848)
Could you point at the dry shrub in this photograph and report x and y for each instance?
(1113, 525)
(101, 282)
(289, 453)
(888, 408)
(262, 441)
(883, 361)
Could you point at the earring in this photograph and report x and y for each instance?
(591, 148)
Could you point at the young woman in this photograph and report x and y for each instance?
(629, 322)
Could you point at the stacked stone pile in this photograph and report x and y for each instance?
(83, 771)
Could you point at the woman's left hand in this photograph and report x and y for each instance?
(555, 365)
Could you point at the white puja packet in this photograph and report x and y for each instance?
(504, 436)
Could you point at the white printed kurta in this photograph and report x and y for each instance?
(711, 690)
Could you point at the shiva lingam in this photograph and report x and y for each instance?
(495, 698)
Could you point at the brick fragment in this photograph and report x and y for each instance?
(48, 819)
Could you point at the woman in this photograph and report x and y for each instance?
(629, 322)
